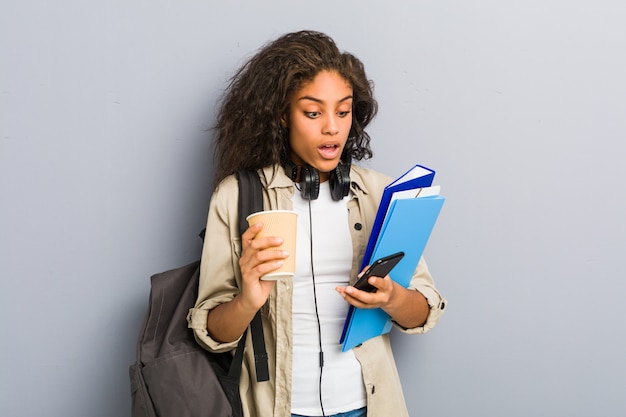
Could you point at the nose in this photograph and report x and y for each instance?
(331, 127)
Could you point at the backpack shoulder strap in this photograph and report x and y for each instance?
(250, 196)
(251, 201)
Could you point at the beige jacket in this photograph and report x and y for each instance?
(220, 278)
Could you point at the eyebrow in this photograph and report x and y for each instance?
(317, 100)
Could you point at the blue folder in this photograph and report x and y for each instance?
(406, 227)
(417, 177)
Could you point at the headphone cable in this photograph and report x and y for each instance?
(319, 326)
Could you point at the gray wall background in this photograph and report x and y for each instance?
(520, 106)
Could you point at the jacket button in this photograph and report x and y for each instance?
(358, 226)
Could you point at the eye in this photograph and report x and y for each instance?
(343, 113)
(312, 114)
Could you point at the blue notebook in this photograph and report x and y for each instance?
(417, 177)
(406, 227)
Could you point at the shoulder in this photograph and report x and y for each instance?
(224, 199)
(227, 188)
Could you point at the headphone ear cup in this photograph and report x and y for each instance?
(340, 182)
(291, 170)
(309, 182)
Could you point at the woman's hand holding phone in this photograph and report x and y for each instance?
(380, 268)
(363, 294)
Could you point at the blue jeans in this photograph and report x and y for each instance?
(361, 412)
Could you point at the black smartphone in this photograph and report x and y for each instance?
(380, 268)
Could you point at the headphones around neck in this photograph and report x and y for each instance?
(339, 179)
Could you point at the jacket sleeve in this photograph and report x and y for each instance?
(219, 265)
(423, 282)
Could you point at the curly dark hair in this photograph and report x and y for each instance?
(249, 132)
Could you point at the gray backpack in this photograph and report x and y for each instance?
(173, 375)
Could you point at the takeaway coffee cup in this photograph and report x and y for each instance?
(281, 223)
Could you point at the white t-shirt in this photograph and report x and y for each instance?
(342, 382)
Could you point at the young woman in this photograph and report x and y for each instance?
(296, 112)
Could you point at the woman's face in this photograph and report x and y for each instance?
(319, 122)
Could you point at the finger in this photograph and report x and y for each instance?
(362, 271)
(354, 299)
(269, 255)
(251, 232)
(384, 284)
(260, 250)
(269, 266)
(262, 262)
(262, 243)
(356, 294)
(254, 276)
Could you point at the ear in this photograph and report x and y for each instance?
(283, 121)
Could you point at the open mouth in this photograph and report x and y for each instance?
(329, 151)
